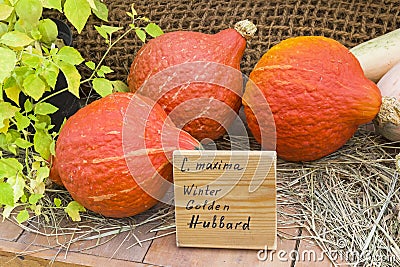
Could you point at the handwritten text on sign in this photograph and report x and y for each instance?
(225, 199)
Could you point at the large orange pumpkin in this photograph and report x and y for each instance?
(112, 154)
(317, 93)
(210, 112)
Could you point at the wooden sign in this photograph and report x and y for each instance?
(225, 199)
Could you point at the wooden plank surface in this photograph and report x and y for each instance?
(9, 231)
(116, 248)
(20, 254)
(164, 252)
(20, 248)
(311, 255)
(161, 252)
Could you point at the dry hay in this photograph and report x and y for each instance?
(348, 202)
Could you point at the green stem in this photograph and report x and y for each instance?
(28, 169)
(106, 53)
(53, 94)
(103, 58)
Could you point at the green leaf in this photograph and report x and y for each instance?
(37, 187)
(120, 86)
(69, 55)
(42, 141)
(153, 30)
(21, 73)
(6, 126)
(23, 199)
(101, 10)
(29, 10)
(24, 26)
(110, 29)
(77, 12)
(57, 202)
(17, 183)
(16, 39)
(22, 121)
(23, 143)
(102, 86)
(34, 86)
(48, 30)
(13, 2)
(73, 210)
(9, 167)
(6, 194)
(42, 121)
(12, 91)
(55, 4)
(44, 108)
(36, 165)
(106, 69)
(92, 4)
(8, 59)
(5, 11)
(28, 106)
(145, 19)
(7, 143)
(31, 60)
(102, 32)
(53, 51)
(34, 198)
(50, 74)
(7, 111)
(53, 144)
(72, 76)
(7, 211)
(42, 173)
(35, 34)
(103, 71)
(133, 10)
(91, 65)
(141, 34)
(32, 117)
(3, 28)
(37, 209)
(22, 216)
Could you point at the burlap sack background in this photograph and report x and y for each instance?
(349, 22)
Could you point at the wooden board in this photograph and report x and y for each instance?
(20, 248)
(225, 199)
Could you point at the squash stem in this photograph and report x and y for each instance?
(246, 28)
(389, 111)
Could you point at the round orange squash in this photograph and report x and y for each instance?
(317, 93)
(209, 95)
(113, 155)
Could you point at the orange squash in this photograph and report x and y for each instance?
(207, 104)
(317, 93)
(114, 155)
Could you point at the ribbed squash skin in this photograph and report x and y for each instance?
(101, 171)
(174, 48)
(317, 93)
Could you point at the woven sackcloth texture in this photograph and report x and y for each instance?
(349, 22)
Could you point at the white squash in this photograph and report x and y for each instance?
(378, 55)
